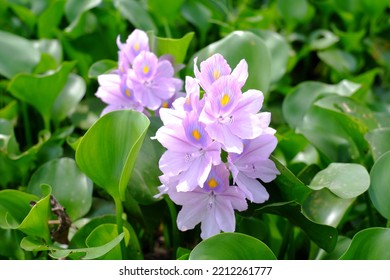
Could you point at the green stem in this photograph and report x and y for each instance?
(119, 223)
(285, 241)
(388, 224)
(369, 209)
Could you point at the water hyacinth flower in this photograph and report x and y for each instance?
(212, 138)
(142, 82)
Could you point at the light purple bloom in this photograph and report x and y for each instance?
(213, 205)
(215, 67)
(118, 96)
(252, 164)
(190, 151)
(137, 42)
(229, 115)
(153, 80)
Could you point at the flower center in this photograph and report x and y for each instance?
(196, 134)
(136, 47)
(145, 70)
(212, 183)
(128, 93)
(225, 99)
(216, 74)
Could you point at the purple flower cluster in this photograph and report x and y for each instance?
(142, 82)
(211, 137)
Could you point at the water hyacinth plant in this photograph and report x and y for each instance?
(134, 129)
(198, 130)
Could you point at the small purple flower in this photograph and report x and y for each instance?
(153, 80)
(252, 164)
(112, 92)
(190, 151)
(229, 115)
(213, 205)
(137, 42)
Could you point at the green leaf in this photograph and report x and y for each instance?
(101, 67)
(322, 39)
(342, 245)
(175, 47)
(108, 150)
(231, 246)
(71, 188)
(378, 139)
(379, 189)
(279, 50)
(290, 187)
(252, 48)
(297, 103)
(15, 207)
(326, 208)
(36, 222)
(197, 14)
(292, 11)
(135, 14)
(17, 55)
(41, 91)
(51, 47)
(167, 10)
(74, 8)
(346, 180)
(80, 237)
(144, 180)
(30, 243)
(103, 234)
(50, 19)
(69, 98)
(369, 244)
(323, 235)
(339, 60)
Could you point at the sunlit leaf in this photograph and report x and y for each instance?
(346, 180)
(108, 150)
(101, 67)
(174, 47)
(41, 91)
(231, 246)
(369, 244)
(378, 139)
(17, 55)
(379, 189)
(71, 188)
(136, 14)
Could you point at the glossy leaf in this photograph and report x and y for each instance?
(379, 189)
(339, 60)
(252, 49)
(231, 246)
(108, 150)
(346, 180)
(17, 55)
(30, 243)
(294, 11)
(15, 207)
(102, 235)
(174, 47)
(68, 98)
(41, 91)
(305, 94)
(144, 180)
(324, 236)
(378, 139)
(369, 244)
(101, 67)
(326, 208)
(279, 50)
(71, 188)
(322, 39)
(134, 12)
(74, 8)
(342, 245)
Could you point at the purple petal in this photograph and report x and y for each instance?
(145, 66)
(241, 72)
(224, 214)
(174, 140)
(252, 188)
(209, 224)
(245, 126)
(251, 102)
(173, 163)
(192, 214)
(164, 69)
(223, 135)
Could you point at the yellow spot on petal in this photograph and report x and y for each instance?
(196, 134)
(128, 93)
(136, 47)
(212, 183)
(188, 101)
(216, 74)
(225, 99)
(165, 104)
(145, 69)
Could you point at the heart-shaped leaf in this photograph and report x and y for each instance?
(108, 150)
(231, 246)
